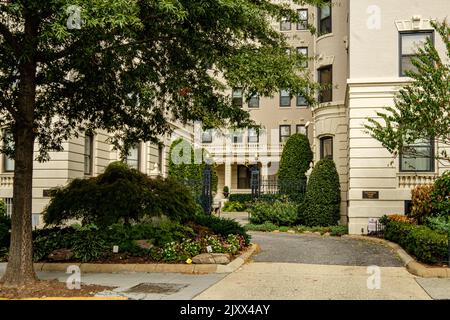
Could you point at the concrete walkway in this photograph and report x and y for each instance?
(154, 286)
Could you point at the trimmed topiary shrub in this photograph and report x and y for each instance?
(440, 196)
(295, 161)
(120, 194)
(240, 197)
(279, 213)
(321, 206)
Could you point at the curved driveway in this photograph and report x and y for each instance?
(315, 249)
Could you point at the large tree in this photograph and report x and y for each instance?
(127, 67)
(422, 107)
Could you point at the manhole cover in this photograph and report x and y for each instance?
(160, 288)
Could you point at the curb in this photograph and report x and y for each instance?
(73, 298)
(152, 268)
(414, 267)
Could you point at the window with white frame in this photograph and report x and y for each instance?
(303, 51)
(253, 103)
(302, 129)
(285, 133)
(285, 98)
(237, 97)
(133, 157)
(207, 136)
(253, 136)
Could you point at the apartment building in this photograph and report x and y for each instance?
(362, 48)
(85, 157)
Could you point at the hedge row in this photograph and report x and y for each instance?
(425, 244)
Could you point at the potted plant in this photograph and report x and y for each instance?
(226, 191)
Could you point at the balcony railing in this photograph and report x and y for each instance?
(243, 148)
(6, 181)
(412, 181)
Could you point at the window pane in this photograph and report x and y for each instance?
(325, 11)
(285, 25)
(285, 133)
(253, 136)
(326, 79)
(302, 129)
(285, 98)
(207, 136)
(133, 158)
(418, 156)
(88, 146)
(9, 164)
(326, 148)
(411, 42)
(254, 102)
(303, 16)
(301, 101)
(304, 51)
(237, 97)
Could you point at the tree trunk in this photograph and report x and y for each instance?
(19, 270)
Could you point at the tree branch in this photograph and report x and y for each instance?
(9, 37)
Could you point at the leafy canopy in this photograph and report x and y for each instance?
(133, 67)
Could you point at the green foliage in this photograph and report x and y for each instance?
(89, 244)
(230, 206)
(243, 198)
(264, 227)
(49, 239)
(187, 164)
(119, 194)
(295, 160)
(428, 94)
(321, 206)
(439, 224)
(221, 226)
(280, 213)
(440, 196)
(425, 244)
(422, 205)
(5, 226)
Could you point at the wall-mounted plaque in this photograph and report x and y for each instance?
(371, 195)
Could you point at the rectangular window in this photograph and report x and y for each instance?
(301, 129)
(324, 19)
(8, 164)
(285, 133)
(207, 136)
(243, 177)
(253, 103)
(88, 154)
(418, 157)
(133, 156)
(410, 42)
(285, 98)
(253, 136)
(237, 98)
(236, 137)
(326, 81)
(304, 52)
(303, 16)
(161, 159)
(285, 24)
(326, 148)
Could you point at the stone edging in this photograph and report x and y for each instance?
(414, 267)
(152, 268)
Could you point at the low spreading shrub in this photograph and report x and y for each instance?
(221, 226)
(280, 213)
(439, 224)
(120, 194)
(265, 227)
(242, 198)
(234, 207)
(425, 244)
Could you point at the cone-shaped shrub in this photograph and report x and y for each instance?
(323, 197)
(294, 163)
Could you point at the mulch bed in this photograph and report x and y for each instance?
(53, 288)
